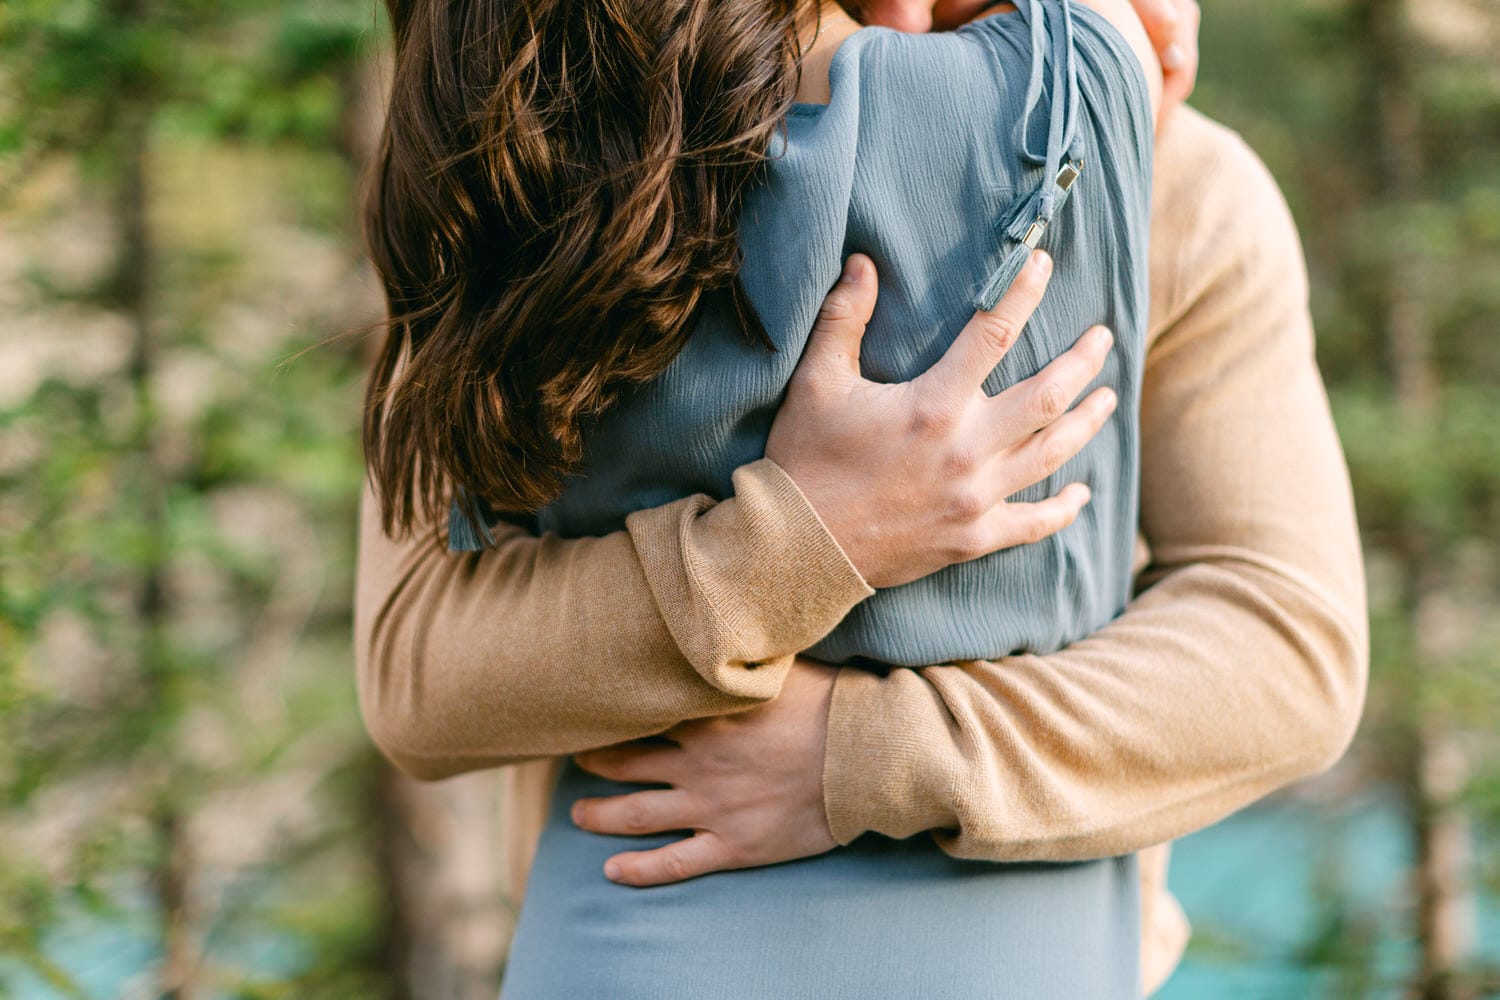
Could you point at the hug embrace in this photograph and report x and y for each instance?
(869, 487)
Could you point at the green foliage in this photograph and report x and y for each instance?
(179, 463)
(177, 486)
(1405, 269)
(1440, 477)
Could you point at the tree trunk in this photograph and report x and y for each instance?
(1445, 903)
(171, 875)
(448, 923)
(1437, 771)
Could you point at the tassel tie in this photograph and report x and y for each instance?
(1024, 230)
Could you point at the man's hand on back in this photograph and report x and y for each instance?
(749, 786)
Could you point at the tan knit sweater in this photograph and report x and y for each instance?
(1239, 667)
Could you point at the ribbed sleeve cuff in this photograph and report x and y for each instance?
(747, 583)
(884, 769)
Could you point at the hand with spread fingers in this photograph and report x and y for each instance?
(943, 455)
(750, 785)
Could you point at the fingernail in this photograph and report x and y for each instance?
(1103, 337)
(1109, 401)
(576, 812)
(1173, 58)
(1041, 260)
(611, 871)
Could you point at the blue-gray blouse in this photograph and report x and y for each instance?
(944, 157)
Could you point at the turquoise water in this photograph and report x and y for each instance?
(1288, 902)
(1299, 902)
(113, 952)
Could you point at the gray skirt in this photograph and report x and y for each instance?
(879, 918)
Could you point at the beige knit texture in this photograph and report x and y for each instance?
(1238, 669)
(549, 646)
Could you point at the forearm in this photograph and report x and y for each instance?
(545, 646)
(1242, 669)
(1222, 683)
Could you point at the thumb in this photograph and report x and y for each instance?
(840, 326)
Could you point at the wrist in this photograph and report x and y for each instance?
(847, 529)
(824, 536)
(881, 771)
(745, 582)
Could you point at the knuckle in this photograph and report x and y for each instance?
(962, 460)
(932, 417)
(967, 506)
(676, 867)
(633, 818)
(1053, 451)
(971, 544)
(998, 331)
(1035, 529)
(838, 307)
(1051, 399)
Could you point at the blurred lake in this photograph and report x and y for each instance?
(1293, 900)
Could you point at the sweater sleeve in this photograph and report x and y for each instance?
(541, 646)
(1239, 668)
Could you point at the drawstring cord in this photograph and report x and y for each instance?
(1027, 226)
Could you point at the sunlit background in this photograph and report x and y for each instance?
(190, 806)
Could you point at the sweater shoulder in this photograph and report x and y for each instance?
(1216, 210)
(1208, 163)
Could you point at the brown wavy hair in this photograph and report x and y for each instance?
(555, 195)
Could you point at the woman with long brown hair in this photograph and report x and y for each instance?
(586, 219)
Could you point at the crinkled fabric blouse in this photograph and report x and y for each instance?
(944, 157)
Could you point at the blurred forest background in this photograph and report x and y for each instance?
(190, 806)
